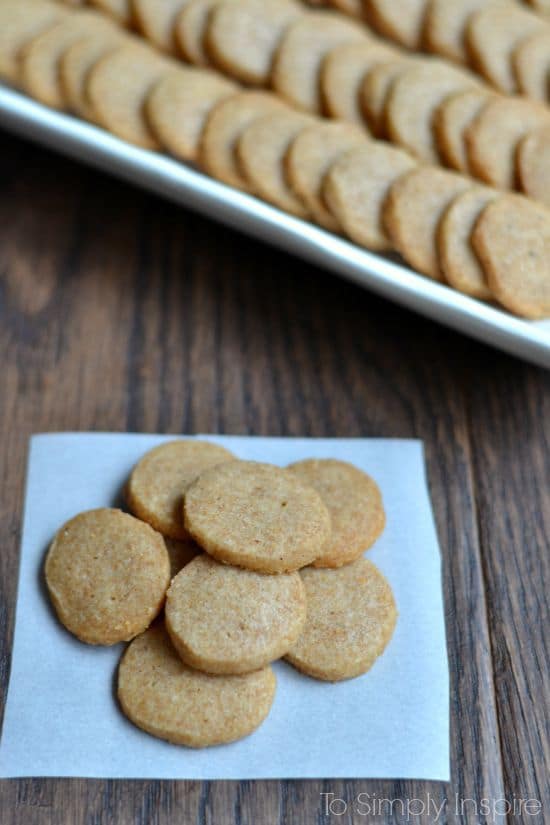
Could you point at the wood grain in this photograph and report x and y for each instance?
(121, 312)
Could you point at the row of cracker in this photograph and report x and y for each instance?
(506, 43)
(327, 171)
(319, 62)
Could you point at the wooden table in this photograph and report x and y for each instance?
(122, 312)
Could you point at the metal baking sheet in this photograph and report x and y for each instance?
(188, 187)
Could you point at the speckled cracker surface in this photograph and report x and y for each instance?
(46, 731)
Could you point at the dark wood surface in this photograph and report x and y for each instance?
(121, 312)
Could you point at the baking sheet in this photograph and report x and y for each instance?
(62, 717)
(184, 185)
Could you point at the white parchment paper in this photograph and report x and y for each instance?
(62, 717)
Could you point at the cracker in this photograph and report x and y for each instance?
(171, 701)
(400, 21)
(223, 619)
(241, 37)
(356, 187)
(299, 56)
(107, 574)
(257, 516)
(120, 10)
(445, 27)
(412, 100)
(494, 135)
(533, 159)
(310, 156)
(353, 8)
(374, 92)
(459, 263)
(117, 88)
(512, 240)
(156, 19)
(190, 30)
(224, 126)
(261, 151)
(412, 211)
(451, 119)
(354, 502)
(531, 62)
(159, 480)
(75, 64)
(178, 105)
(180, 553)
(492, 34)
(19, 23)
(351, 616)
(342, 74)
(39, 61)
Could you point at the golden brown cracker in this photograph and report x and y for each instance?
(107, 574)
(445, 27)
(190, 30)
(459, 263)
(354, 502)
(533, 159)
(156, 20)
(374, 92)
(401, 21)
(257, 516)
(178, 105)
(412, 211)
(171, 701)
(311, 155)
(241, 37)
(351, 616)
(159, 480)
(512, 241)
(300, 53)
(223, 619)
(76, 63)
(451, 120)
(19, 23)
(494, 135)
(531, 62)
(356, 186)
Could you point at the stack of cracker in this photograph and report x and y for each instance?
(454, 225)
(236, 564)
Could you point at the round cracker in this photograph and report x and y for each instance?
(107, 575)
(374, 92)
(159, 480)
(351, 616)
(178, 105)
(117, 88)
(355, 189)
(459, 263)
(261, 151)
(309, 158)
(190, 30)
(412, 211)
(171, 701)
(342, 74)
(223, 619)
(19, 23)
(257, 516)
(412, 100)
(354, 502)
(241, 38)
(120, 10)
(492, 34)
(445, 27)
(494, 135)
(531, 61)
(39, 60)
(451, 119)
(512, 241)
(180, 553)
(402, 22)
(223, 128)
(156, 19)
(533, 158)
(76, 63)
(299, 56)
